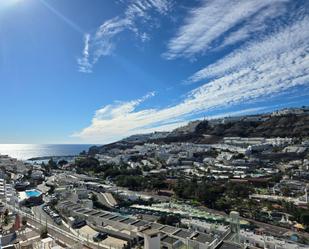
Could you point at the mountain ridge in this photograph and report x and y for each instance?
(289, 122)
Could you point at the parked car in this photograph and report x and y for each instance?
(78, 224)
(58, 220)
(99, 237)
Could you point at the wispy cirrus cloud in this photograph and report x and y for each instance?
(219, 23)
(289, 46)
(264, 68)
(83, 62)
(102, 42)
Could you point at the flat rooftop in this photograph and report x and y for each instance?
(94, 213)
(103, 215)
(202, 237)
(170, 234)
(98, 214)
(68, 203)
(229, 245)
(128, 221)
(108, 216)
(156, 226)
(169, 240)
(117, 218)
(79, 209)
(169, 229)
(87, 211)
(183, 233)
(140, 223)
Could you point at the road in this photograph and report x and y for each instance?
(69, 240)
(110, 199)
(39, 213)
(106, 199)
(65, 237)
(276, 230)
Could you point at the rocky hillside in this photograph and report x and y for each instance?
(277, 126)
(288, 124)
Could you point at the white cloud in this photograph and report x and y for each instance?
(256, 24)
(235, 20)
(241, 112)
(263, 69)
(120, 109)
(83, 62)
(102, 42)
(144, 37)
(290, 42)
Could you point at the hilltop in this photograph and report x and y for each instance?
(291, 122)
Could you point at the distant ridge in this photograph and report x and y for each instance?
(288, 122)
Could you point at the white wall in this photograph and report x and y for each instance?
(152, 243)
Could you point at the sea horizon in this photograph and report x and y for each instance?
(28, 151)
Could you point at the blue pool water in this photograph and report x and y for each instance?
(33, 193)
(294, 237)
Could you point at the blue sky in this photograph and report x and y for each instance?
(95, 71)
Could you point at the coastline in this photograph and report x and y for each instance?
(26, 152)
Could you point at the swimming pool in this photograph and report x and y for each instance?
(33, 193)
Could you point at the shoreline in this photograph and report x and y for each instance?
(50, 157)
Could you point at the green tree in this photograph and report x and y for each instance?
(52, 164)
(170, 220)
(87, 164)
(44, 233)
(46, 167)
(24, 221)
(304, 218)
(62, 162)
(223, 204)
(6, 213)
(6, 220)
(239, 190)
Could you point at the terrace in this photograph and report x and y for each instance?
(202, 238)
(169, 229)
(128, 221)
(169, 240)
(139, 223)
(95, 213)
(109, 216)
(103, 215)
(87, 212)
(79, 210)
(117, 218)
(182, 233)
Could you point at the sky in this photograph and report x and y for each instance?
(96, 71)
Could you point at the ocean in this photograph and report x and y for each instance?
(27, 151)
